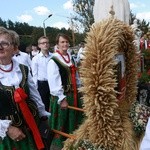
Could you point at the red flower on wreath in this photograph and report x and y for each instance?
(148, 72)
(139, 75)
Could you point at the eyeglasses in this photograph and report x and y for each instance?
(44, 43)
(5, 44)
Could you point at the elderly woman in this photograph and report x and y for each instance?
(20, 103)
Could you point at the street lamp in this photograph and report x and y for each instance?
(44, 24)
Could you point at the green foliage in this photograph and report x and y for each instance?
(142, 25)
(30, 34)
(84, 12)
(144, 77)
(146, 53)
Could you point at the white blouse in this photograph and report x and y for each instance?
(23, 58)
(54, 78)
(14, 78)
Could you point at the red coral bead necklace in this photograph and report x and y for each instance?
(9, 70)
(67, 61)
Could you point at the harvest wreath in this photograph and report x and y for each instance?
(107, 122)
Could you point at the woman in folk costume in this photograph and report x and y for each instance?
(20, 103)
(63, 87)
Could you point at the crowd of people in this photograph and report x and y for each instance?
(35, 87)
(39, 86)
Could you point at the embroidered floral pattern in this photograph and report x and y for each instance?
(85, 145)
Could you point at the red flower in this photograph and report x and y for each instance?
(148, 72)
(139, 75)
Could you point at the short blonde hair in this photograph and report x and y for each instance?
(42, 37)
(9, 34)
(16, 36)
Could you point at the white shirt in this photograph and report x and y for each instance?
(145, 145)
(39, 67)
(80, 54)
(34, 53)
(23, 58)
(14, 78)
(54, 78)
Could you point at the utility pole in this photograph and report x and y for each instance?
(44, 24)
(72, 28)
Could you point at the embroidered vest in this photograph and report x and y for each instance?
(65, 74)
(8, 108)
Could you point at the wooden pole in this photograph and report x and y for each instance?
(76, 108)
(64, 134)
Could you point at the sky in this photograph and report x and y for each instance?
(35, 12)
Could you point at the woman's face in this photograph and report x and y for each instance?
(63, 44)
(7, 49)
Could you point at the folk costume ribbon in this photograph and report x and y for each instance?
(20, 96)
(73, 77)
(122, 89)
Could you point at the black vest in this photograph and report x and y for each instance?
(8, 108)
(65, 74)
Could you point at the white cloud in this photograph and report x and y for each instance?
(25, 18)
(68, 5)
(143, 15)
(60, 25)
(42, 10)
(133, 5)
(137, 5)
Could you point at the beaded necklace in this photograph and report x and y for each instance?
(67, 61)
(9, 70)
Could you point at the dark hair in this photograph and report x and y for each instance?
(62, 35)
(34, 44)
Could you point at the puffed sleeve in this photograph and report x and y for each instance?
(54, 81)
(4, 124)
(34, 68)
(35, 96)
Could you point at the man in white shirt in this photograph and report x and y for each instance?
(80, 54)
(23, 58)
(39, 70)
(34, 51)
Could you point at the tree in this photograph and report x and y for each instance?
(3, 23)
(30, 34)
(10, 25)
(132, 18)
(84, 13)
(142, 25)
